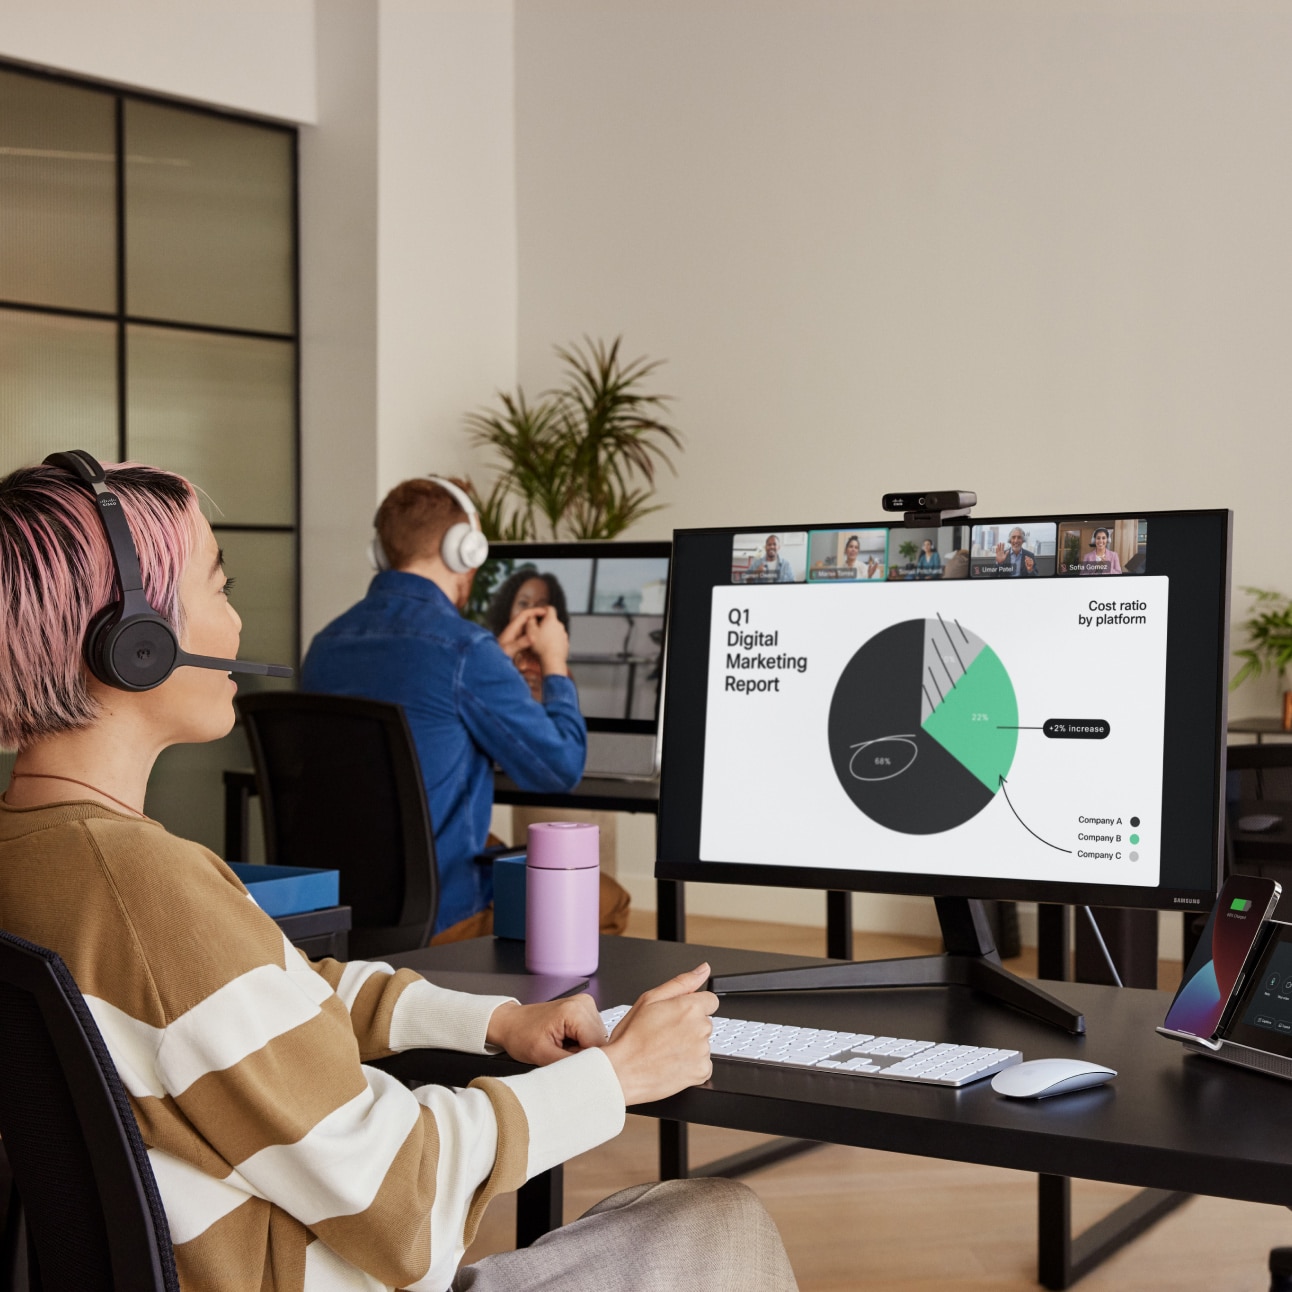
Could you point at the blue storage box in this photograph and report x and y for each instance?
(509, 897)
(288, 890)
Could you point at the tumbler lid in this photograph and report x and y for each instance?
(564, 845)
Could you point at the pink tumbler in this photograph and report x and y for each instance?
(563, 898)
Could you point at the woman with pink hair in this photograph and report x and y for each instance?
(284, 1161)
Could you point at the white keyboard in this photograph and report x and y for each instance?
(851, 1053)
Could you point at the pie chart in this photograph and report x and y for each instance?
(923, 724)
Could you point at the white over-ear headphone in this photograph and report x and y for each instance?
(463, 547)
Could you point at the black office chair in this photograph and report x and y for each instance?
(1260, 781)
(341, 788)
(94, 1217)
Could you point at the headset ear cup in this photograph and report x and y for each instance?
(138, 653)
(377, 555)
(451, 546)
(473, 549)
(94, 636)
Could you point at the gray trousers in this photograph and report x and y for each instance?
(676, 1236)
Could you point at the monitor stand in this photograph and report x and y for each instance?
(970, 960)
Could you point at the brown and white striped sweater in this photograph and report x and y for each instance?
(285, 1164)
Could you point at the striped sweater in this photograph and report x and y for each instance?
(285, 1164)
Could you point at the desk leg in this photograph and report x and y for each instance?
(1053, 943)
(1063, 1257)
(237, 820)
(670, 910)
(838, 925)
(674, 1150)
(540, 1204)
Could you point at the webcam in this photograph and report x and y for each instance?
(932, 506)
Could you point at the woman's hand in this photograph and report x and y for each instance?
(549, 641)
(515, 636)
(662, 1044)
(541, 1034)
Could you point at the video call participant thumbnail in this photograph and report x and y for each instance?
(923, 554)
(842, 555)
(1018, 551)
(1103, 546)
(769, 558)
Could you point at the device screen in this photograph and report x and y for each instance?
(1263, 1017)
(1213, 971)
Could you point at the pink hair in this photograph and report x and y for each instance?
(56, 573)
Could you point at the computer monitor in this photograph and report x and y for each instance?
(611, 597)
(1027, 707)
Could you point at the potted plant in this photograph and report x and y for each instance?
(1269, 637)
(581, 461)
(908, 551)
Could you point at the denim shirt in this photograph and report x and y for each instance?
(467, 706)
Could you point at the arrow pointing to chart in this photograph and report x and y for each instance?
(1024, 824)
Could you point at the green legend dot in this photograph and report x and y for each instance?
(1134, 838)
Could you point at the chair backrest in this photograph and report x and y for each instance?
(1270, 757)
(94, 1214)
(341, 788)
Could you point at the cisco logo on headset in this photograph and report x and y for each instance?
(107, 500)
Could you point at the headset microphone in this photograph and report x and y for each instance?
(128, 645)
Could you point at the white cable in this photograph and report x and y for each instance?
(1103, 946)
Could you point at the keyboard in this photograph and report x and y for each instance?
(860, 1054)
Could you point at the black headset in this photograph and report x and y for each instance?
(128, 644)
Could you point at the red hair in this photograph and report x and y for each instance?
(56, 573)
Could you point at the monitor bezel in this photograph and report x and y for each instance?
(693, 870)
(600, 549)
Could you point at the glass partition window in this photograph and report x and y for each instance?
(221, 411)
(148, 313)
(58, 385)
(209, 235)
(58, 224)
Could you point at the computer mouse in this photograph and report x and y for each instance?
(1041, 1078)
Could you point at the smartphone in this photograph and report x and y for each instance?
(1217, 968)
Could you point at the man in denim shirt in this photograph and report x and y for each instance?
(467, 705)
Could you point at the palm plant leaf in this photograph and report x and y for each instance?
(1269, 636)
(582, 458)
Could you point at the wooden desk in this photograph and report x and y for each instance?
(1170, 1121)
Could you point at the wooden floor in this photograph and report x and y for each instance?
(885, 1222)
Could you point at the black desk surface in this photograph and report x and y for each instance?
(1259, 727)
(1169, 1120)
(592, 793)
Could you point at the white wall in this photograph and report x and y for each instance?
(253, 56)
(339, 309)
(408, 263)
(1036, 250)
(446, 227)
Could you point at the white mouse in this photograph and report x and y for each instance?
(1041, 1078)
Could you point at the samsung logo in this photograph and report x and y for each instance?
(1187, 901)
